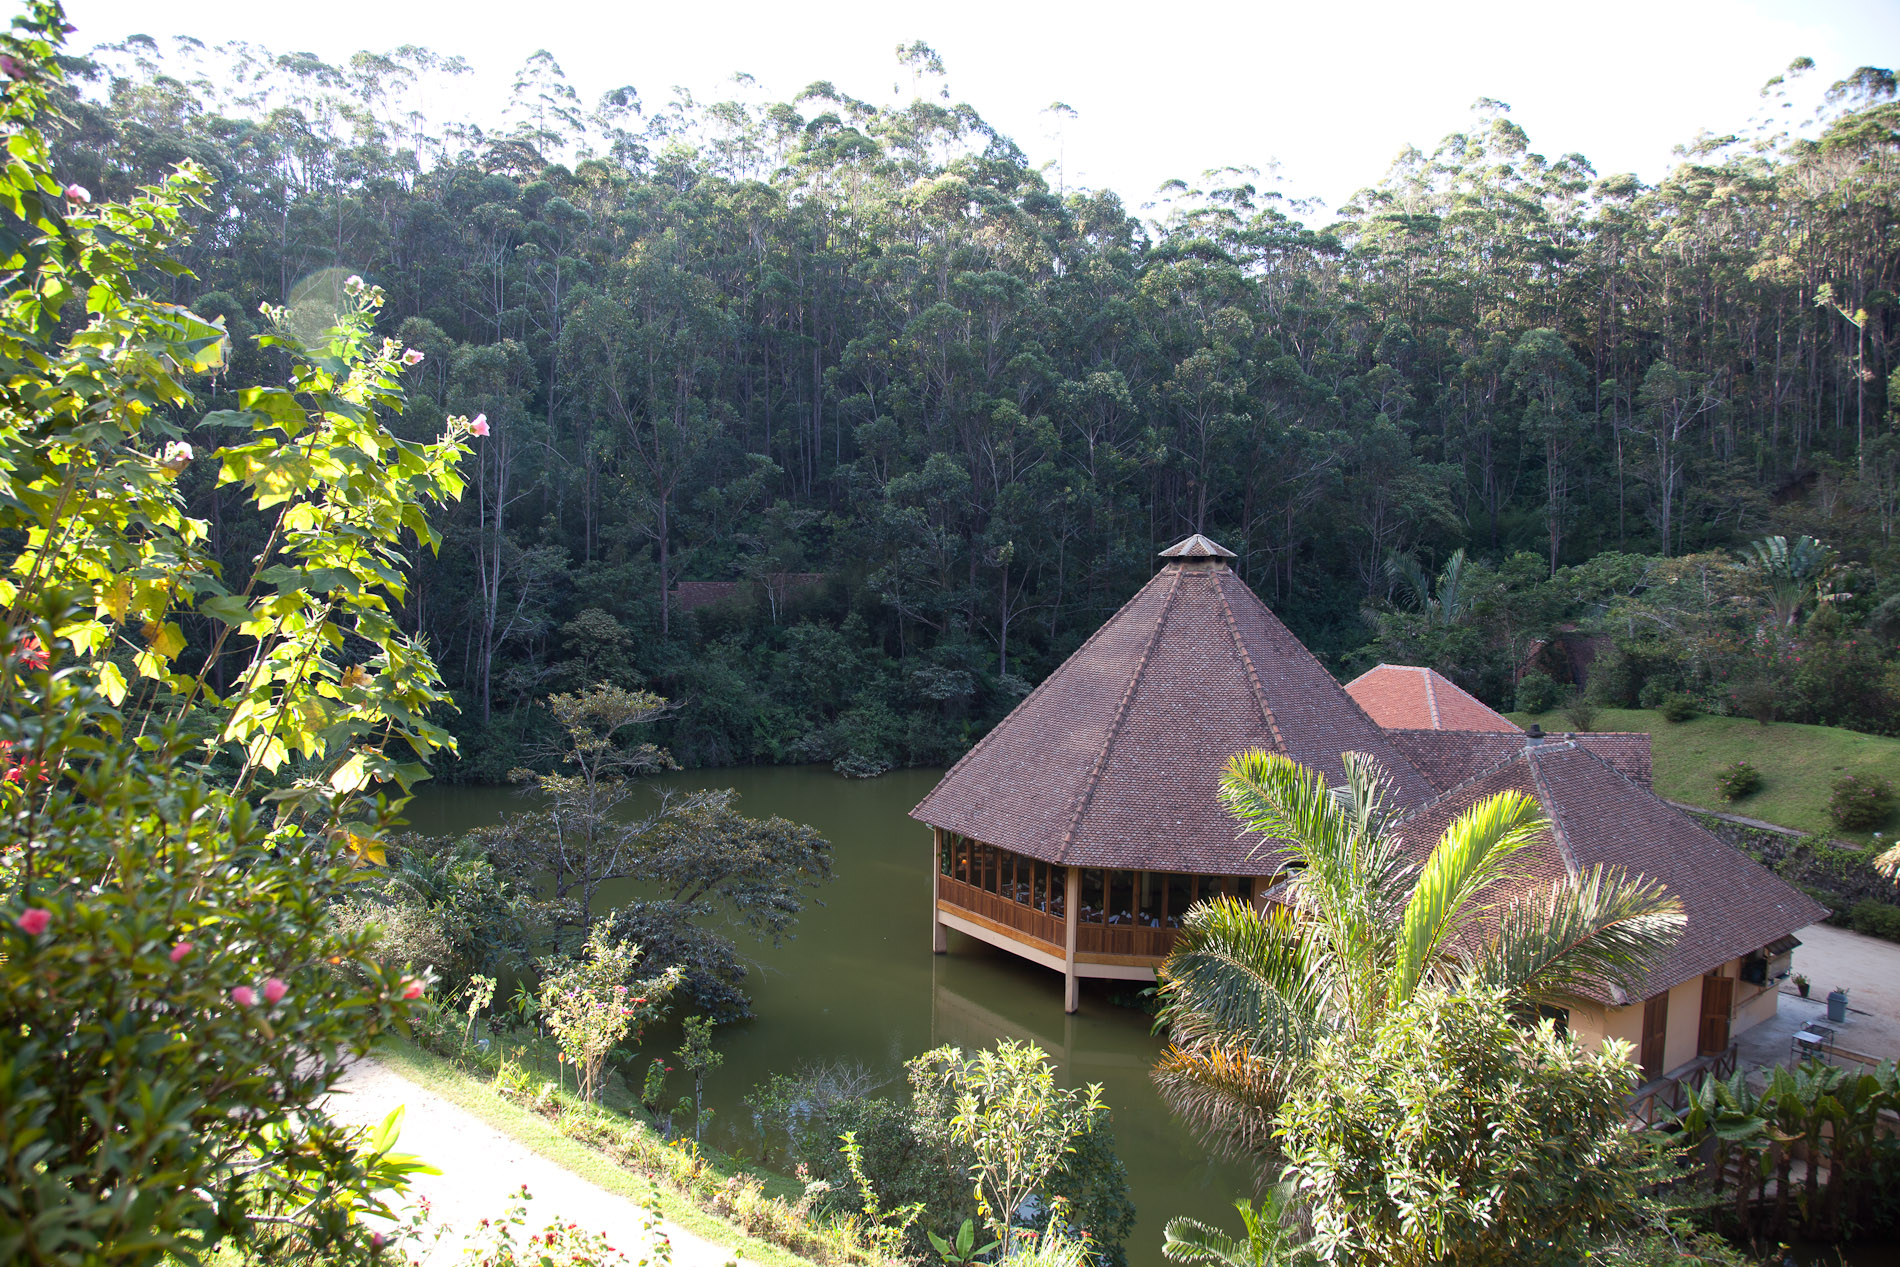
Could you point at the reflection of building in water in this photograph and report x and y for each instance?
(958, 1019)
(1078, 832)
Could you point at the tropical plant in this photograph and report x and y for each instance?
(1792, 572)
(698, 1057)
(1453, 1133)
(592, 1003)
(1249, 994)
(1016, 1123)
(1263, 1241)
(962, 1248)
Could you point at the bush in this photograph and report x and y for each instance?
(1536, 693)
(1738, 779)
(1757, 697)
(1677, 707)
(1876, 919)
(1860, 802)
(1581, 710)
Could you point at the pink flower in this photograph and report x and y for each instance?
(375, 1240)
(78, 193)
(412, 356)
(177, 456)
(179, 951)
(479, 426)
(244, 996)
(411, 988)
(11, 68)
(33, 921)
(274, 990)
(352, 283)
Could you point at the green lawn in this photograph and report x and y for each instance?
(1798, 764)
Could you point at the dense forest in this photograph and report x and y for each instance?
(1497, 395)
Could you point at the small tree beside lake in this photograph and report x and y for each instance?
(592, 1003)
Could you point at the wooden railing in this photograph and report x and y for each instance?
(1019, 916)
(1090, 939)
(1124, 939)
(1663, 1099)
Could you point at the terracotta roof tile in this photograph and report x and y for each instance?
(1601, 817)
(1449, 757)
(1407, 697)
(1115, 759)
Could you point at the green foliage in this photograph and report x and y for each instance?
(1678, 708)
(698, 1058)
(1858, 802)
(143, 876)
(594, 1002)
(962, 1249)
(1826, 1120)
(1536, 693)
(1264, 1240)
(1581, 711)
(1876, 919)
(508, 1241)
(749, 342)
(704, 859)
(1528, 1162)
(1011, 1117)
(1249, 994)
(1738, 779)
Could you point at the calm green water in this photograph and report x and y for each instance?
(860, 984)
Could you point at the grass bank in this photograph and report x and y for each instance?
(1798, 763)
(753, 1211)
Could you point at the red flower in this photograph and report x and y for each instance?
(411, 988)
(33, 921)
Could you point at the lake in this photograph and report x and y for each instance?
(859, 984)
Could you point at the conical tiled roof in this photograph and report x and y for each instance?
(1115, 760)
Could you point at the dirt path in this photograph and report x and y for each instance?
(482, 1168)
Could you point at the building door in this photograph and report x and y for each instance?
(1718, 1001)
(1655, 1034)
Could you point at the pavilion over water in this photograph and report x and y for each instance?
(1079, 831)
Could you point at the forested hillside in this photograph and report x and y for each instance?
(718, 341)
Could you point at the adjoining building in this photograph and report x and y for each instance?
(1077, 832)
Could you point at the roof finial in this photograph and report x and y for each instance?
(1196, 547)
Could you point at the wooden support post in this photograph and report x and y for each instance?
(939, 935)
(1071, 997)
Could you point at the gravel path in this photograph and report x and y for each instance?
(482, 1168)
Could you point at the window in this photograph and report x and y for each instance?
(1150, 889)
(1091, 911)
(1180, 896)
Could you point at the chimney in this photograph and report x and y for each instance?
(1534, 736)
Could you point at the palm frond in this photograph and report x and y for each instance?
(1602, 927)
(1240, 975)
(1228, 1096)
(1473, 854)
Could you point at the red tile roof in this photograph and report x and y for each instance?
(1449, 757)
(1115, 759)
(1600, 817)
(1406, 697)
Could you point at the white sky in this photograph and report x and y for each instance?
(1330, 91)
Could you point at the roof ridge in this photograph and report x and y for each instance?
(1431, 693)
(1087, 791)
(1036, 690)
(1468, 780)
(1549, 800)
(1246, 658)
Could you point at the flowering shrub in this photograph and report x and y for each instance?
(1738, 779)
(508, 1242)
(1860, 801)
(171, 1007)
(593, 1003)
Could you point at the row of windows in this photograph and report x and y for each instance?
(1148, 899)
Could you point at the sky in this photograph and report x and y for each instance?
(1319, 97)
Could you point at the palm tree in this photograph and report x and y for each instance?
(1186, 1240)
(1247, 993)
